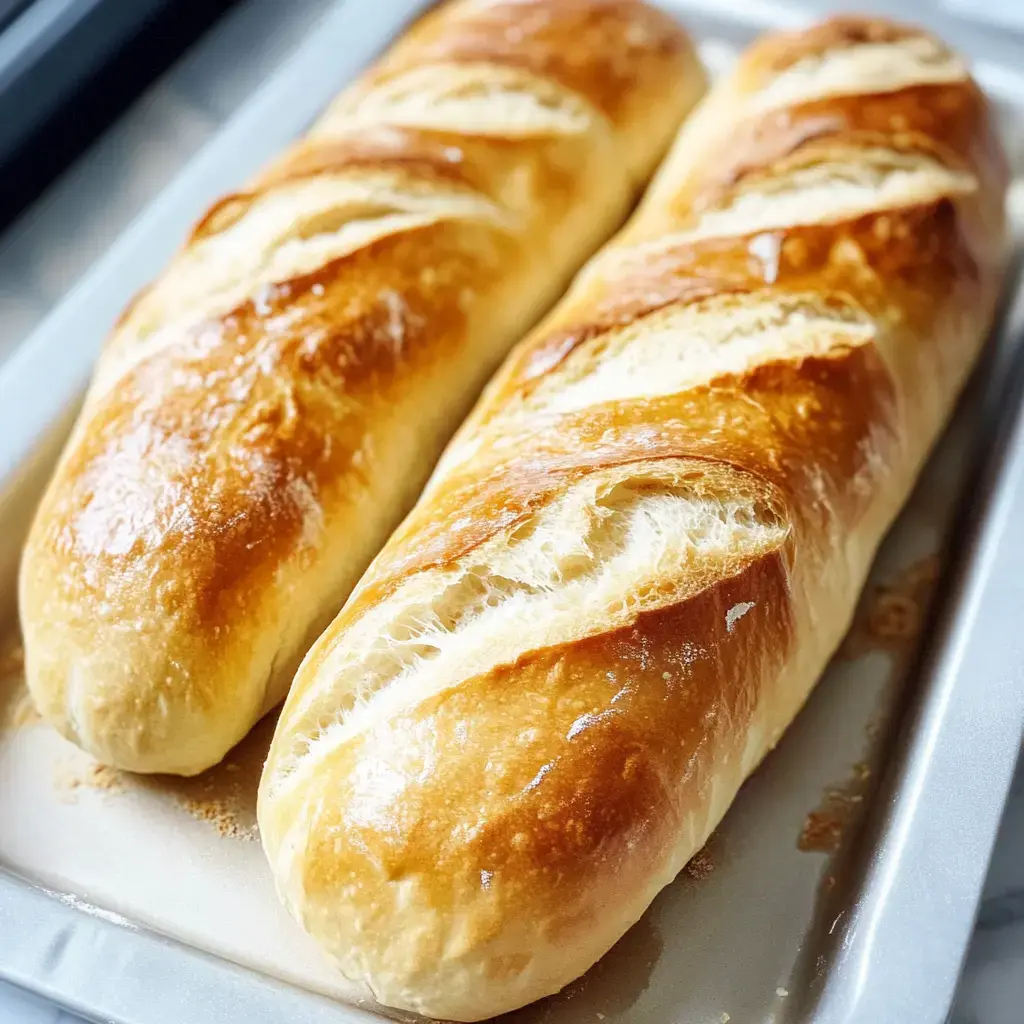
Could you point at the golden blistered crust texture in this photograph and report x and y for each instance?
(264, 413)
(639, 551)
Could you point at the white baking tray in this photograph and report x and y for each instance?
(118, 902)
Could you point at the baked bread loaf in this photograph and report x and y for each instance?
(266, 412)
(637, 556)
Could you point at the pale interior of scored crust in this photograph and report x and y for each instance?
(622, 541)
(477, 99)
(860, 181)
(298, 227)
(725, 335)
(865, 67)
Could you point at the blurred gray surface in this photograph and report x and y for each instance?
(45, 252)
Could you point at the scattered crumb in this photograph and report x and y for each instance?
(221, 815)
(822, 833)
(700, 864)
(101, 776)
(92, 775)
(224, 797)
(724, 1019)
(781, 993)
(823, 828)
(600, 1016)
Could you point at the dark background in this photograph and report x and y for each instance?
(65, 85)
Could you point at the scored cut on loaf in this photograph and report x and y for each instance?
(636, 557)
(265, 413)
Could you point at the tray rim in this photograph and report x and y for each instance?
(82, 935)
(919, 769)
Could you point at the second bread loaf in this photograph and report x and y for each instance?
(267, 410)
(636, 558)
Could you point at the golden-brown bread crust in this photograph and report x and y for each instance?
(636, 556)
(265, 412)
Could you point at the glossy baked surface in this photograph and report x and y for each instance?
(266, 411)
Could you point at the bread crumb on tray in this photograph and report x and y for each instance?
(700, 865)
(223, 797)
(823, 827)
